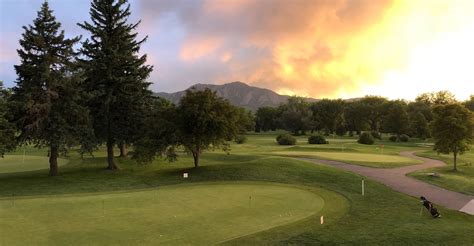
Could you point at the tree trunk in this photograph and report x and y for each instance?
(53, 160)
(110, 156)
(123, 150)
(455, 160)
(196, 159)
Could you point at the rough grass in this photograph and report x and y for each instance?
(461, 181)
(178, 214)
(381, 217)
(20, 163)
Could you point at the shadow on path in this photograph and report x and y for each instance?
(396, 179)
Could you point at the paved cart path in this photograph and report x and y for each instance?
(396, 179)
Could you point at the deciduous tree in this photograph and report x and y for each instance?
(470, 103)
(328, 114)
(205, 121)
(295, 115)
(372, 107)
(395, 117)
(266, 119)
(452, 129)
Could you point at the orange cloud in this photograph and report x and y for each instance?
(196, 48)
(335, 48)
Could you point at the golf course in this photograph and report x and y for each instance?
(236, 122)
(258, 193)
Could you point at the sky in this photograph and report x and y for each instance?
(313, 48)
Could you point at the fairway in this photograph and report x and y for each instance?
(20, 163)
(375, 160)
(180, 214)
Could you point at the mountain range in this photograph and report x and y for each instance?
(238, 94)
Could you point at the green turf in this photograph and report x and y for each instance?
(20, 163)
(371, 160)
(383, 154)
(381, 217)
(461, 181)
(179, 214)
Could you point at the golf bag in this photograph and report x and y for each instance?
(429, 206)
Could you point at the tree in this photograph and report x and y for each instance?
(470, 103)
(372, 106)
(7, 130)
(452, 129)
(295, 115)
(115, 75)
(436, 98)
(205, 121)
(246, 120)
(421, 107)
(354, 117)
(327, 114)
(45, 101)
(159, 136)
(266, 119)
(395, 119)
(418, 126)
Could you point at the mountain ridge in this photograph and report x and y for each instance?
(238, 93)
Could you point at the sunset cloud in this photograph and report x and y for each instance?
(317, 48)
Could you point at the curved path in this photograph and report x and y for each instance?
(396, 179)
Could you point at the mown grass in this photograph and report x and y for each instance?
(461, 181)
(370, 160)
(199, 212)
(381, 217)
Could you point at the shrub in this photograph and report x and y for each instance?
(317, 139)
(240, 139)
(286, 139)
(365, 138)
(392, 138)
(376, 135)
(403, 138)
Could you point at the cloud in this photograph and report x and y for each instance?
(287, 46)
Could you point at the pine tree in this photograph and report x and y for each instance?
(45, 101)
(7, 130)
(115, 74)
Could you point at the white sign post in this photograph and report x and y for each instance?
(363, 190)
(185, 175)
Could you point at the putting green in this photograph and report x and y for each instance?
(180, 214)
(353, 157)
(18, 163)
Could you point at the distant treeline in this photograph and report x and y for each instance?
(371, 113)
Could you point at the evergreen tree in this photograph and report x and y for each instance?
(115, 75)
(7, 130)
(45, 99)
